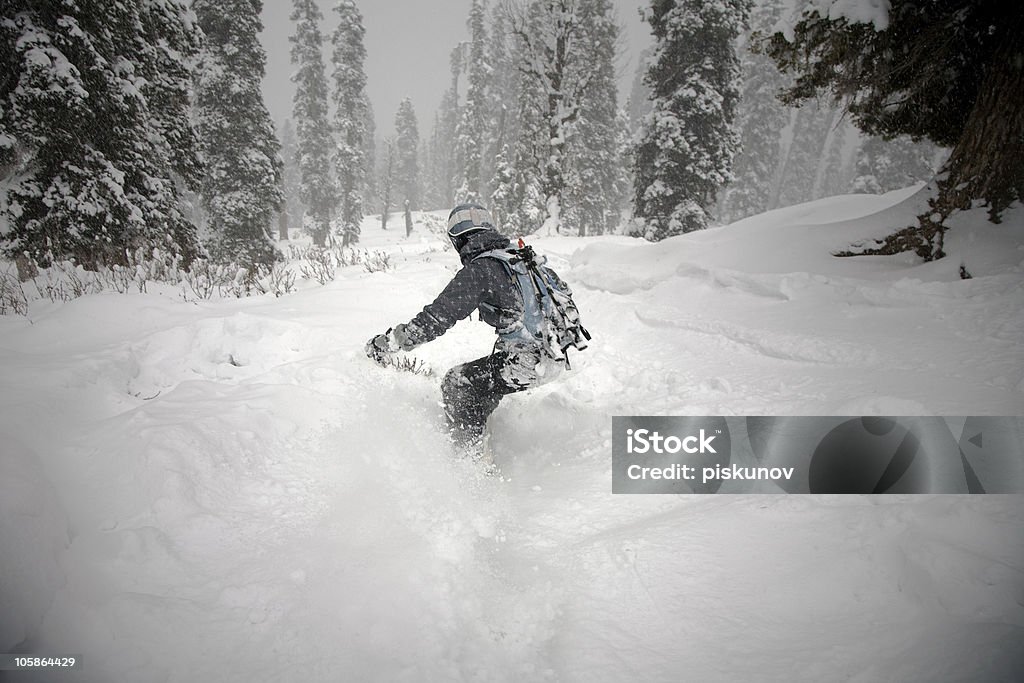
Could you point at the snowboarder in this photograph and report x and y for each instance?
(472, 391)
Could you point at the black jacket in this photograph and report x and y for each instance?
(483, 284)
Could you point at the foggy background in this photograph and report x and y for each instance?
(407, 47)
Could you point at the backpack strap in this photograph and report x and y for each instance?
(504, 255)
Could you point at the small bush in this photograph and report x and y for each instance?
(280, 281)
(12, 296)
(378, 261)
(409, 364)
(320, 264)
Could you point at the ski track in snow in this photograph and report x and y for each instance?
(230, 491)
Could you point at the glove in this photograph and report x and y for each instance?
(382, 346)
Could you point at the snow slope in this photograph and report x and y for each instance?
(229, 491)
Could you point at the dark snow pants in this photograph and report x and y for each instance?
(471, 392)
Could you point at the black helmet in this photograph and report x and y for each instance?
(466, 219)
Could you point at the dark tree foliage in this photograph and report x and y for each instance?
(309, 111)
(242, 186)
(945, 70)
(94, 129)
(407, 146)
(351, 114)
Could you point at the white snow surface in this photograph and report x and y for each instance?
(230, 491)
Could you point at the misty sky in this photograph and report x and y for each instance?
(407, 45)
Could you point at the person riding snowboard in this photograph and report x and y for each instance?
(526, 352)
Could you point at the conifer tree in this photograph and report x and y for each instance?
(597, 188)
(640, 94)
(689, 140)
(291, 177)
(388, 167)
(502, 87)
(472, 125)
(761, 119)
(429, 192)
(407, 167)
(370, 155)
(552, 56)
(517, 197)
(350, 116)
(241, 187)
(309, 108)
(171, 43)
(92, 127)
(503, 201)
(443, 151)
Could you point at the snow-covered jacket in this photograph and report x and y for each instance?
(482, 284)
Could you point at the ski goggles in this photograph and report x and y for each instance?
(467, 219)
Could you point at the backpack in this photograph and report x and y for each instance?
(550, 316)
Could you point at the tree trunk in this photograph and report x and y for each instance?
(322, 223)
(408, 219)
(987, 162)
(282, 223)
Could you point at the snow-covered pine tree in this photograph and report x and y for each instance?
(93, 101)
(549, 37)
(309, 110)
(291, 178)
(503, 201)
(241, 187)
(370, 155)
(639, 105)
(442, 148)
(473, 118)
(517, 199)
(389, 164)
(172, 42)
(407, 165)
(597, 189)
(435, 193)
(350, 116)
(502, 85)
(518, 196)
(429, 191)
(761, 119)
(689, 139)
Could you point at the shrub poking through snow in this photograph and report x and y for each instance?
(320, 264)
(12, 296)
(378, 261)
(409, 364)
(280, 281)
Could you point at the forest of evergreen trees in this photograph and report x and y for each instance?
(141, 124)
